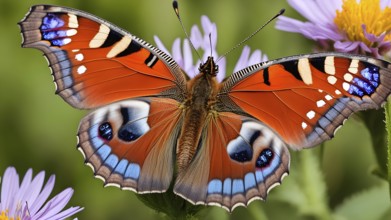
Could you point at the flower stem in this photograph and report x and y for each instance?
(374, 121)
(313, 186)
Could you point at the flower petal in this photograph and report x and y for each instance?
(330, 9)
(34, 188)
(54, 206)
(209, 28)
(221, 75)
(242, 62)
(23, 202)
(317, 11)
(160, 45)
(187, 56)
(196, 37)
(67, 213)
(347, 46)
(385, 3)
(9, 187)
(43, 196)
(303, 8)
(371, 37)
(246, 59)
(256, 57)
(19, 196)
(177, 52)
(309, 30)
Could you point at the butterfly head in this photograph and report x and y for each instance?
(209, 68)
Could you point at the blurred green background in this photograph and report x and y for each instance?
(38, 129)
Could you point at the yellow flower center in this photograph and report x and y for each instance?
(368, 12)
(4, 216)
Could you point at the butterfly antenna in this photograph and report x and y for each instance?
(254, 33)
(210, 42)
(176, 9)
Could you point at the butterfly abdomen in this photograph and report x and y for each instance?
(202, 92)
(190, 137)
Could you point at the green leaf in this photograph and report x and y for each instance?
(387, 215)
(306, 188)
(371, 204)
(374, 121)
(172, 205)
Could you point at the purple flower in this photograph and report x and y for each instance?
(246, 59)
(184, 57)
(346, 25)
(25, 201)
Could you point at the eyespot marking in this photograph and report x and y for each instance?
(264, 158)
(105, 131)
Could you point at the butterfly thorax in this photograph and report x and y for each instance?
(199, 103)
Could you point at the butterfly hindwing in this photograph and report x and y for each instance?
(94, 62)
(131, 144)
(239, 160)
(306, 98)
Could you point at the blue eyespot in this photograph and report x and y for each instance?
(360, 87)
(366, 85)
(50, 35)
(105, 131)
(264, 158)
(371, 73)
(57, 42)
(354, 90)
(51, 21)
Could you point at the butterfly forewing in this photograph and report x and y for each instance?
(306, 98)
(94, 62)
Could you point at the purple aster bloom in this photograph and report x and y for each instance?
(184, 57)
(25, 201)
(355, 26)
(246, 59)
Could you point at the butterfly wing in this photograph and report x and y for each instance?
(131, 144)
(94, 63)
(239, 160)
(306, 98)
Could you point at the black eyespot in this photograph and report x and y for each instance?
(373, 69)
(264, 158)
(126, 135)
(242, 156)
(106, 131)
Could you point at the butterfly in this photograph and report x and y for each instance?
(226, 142)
